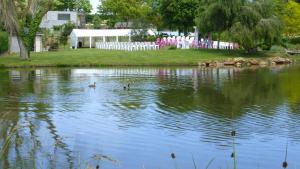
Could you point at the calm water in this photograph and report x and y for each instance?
(49, 118)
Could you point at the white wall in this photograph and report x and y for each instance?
(51, 19)
(38, 44)
(14, 47)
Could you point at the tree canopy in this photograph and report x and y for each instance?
(217, 16)
(256, 26)
(173, 14)
(122, 10)
(74, 5)
(289, 13)
(179, 14)
(251, 24)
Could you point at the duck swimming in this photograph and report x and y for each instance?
(92, 85)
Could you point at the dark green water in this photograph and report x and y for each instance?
(49, 118)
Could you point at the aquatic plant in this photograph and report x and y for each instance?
(173, 156)
(285, 164)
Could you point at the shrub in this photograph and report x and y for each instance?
(54, 46)
(295, 40)
(52, 43)
(3, 42)
(65, 32)
(172, 47)
(151, 38)
(141, 35)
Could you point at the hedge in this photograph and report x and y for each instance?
(295, 40)
(3, 42)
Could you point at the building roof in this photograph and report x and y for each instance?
(100, 32)
(104, 32)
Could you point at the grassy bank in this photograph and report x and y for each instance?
(94, 57)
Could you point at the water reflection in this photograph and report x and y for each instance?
(51, 119)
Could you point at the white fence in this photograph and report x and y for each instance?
(128, 46)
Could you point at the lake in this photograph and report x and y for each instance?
(50, 118)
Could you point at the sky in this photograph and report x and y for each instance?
(95, 3)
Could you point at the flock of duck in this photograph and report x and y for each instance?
(126, 87)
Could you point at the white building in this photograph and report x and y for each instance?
(57, 18)
(51, 19)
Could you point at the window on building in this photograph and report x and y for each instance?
(64, 17)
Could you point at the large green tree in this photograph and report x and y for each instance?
(23, 18)
(256, 26)
(153, 15)
(289, 13)
(122, 10)
(77, 5)
(217, 15)
(179, 14)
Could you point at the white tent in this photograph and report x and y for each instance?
(78, 35)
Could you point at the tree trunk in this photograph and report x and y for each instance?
(24, 54)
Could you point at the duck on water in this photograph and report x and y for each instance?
(92, 85)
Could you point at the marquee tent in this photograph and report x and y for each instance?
(88, 37)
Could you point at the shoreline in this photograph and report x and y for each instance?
(93, 58)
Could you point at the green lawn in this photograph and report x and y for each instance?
(95, 57)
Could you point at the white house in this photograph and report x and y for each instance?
(57, 18)
(51, 19)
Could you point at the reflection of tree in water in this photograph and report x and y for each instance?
(224, 97)
(289, 82)
(221, 97)
(19, 127)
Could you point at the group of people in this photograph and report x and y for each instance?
(179, 42)
(182, 42)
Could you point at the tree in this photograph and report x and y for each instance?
(256, 26)
(121, 10)
(153, 15)
(23, 18)
(73, 5)
(289, 13)
(97, 21)
(179, 14)
(217, 15)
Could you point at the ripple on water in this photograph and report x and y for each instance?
(182, 110)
